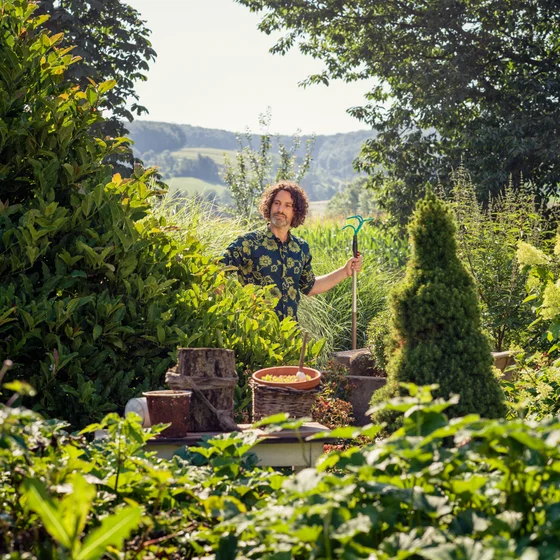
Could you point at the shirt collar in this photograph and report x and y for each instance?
(268, 233)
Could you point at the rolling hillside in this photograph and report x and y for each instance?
(184, 151)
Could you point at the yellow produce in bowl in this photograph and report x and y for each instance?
(283, 378)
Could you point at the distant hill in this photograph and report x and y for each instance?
(182, 150)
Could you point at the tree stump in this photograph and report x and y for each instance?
(210, 374)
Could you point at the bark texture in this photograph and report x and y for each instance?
(210, 374)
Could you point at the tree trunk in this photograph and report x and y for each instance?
(212, 372)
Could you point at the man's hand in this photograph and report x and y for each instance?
(355, 263)
(326, 282)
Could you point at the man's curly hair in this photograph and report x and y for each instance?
(299, 198)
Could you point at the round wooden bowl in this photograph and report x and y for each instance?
(288, 370)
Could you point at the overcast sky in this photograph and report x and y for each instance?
(214, 70)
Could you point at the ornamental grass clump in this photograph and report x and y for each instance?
(435, 333)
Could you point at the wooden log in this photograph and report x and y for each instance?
(210, 373)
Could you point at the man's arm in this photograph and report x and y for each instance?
(326, 282)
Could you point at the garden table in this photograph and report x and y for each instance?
(286, 448)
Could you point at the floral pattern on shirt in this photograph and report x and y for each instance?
(262, 259)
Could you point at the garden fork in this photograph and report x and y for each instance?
(355, 252)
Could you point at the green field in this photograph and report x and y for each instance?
(192, 186)
(215, 153)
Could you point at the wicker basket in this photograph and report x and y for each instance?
(274, 400)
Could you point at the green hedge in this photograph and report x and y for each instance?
(96, 293)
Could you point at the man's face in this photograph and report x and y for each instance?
(282, 210)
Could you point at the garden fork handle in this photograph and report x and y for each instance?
(354, 309)
(354, 295)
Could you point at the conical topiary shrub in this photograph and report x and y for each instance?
(435, 332)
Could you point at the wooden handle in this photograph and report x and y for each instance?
(302, 354)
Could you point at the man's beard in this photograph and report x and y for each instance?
(279, 220)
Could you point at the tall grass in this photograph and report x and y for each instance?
(329, 315)
(214, 228)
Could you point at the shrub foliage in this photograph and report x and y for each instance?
(468, 488)
(96, 292)
(435, 333)
(487, 242)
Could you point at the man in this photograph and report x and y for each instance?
(273, 255)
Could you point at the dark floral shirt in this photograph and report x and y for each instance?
(262, 259)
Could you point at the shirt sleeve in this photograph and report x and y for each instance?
(307, 279)
(233, 255)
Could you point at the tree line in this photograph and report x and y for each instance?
(474, 82)
(330, 170)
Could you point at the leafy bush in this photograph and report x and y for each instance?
(377, 335)
(96, 292)
(435, 331)
(416, 494)
(332, 408)
(543, 288)
(335, 383)
(464, 488)
(535, 392)
(60, 494)
(487, 242)
(332, 413)
(487, 239)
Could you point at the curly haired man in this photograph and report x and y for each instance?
(273, 255)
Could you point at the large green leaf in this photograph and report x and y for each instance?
(113, 530)
(75, 507)
(43, 505)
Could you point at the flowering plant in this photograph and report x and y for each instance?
(543, 286)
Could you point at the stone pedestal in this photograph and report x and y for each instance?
(362, 388)
(502, 360)
(364, 381)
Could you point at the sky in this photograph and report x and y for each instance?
(214, 70)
